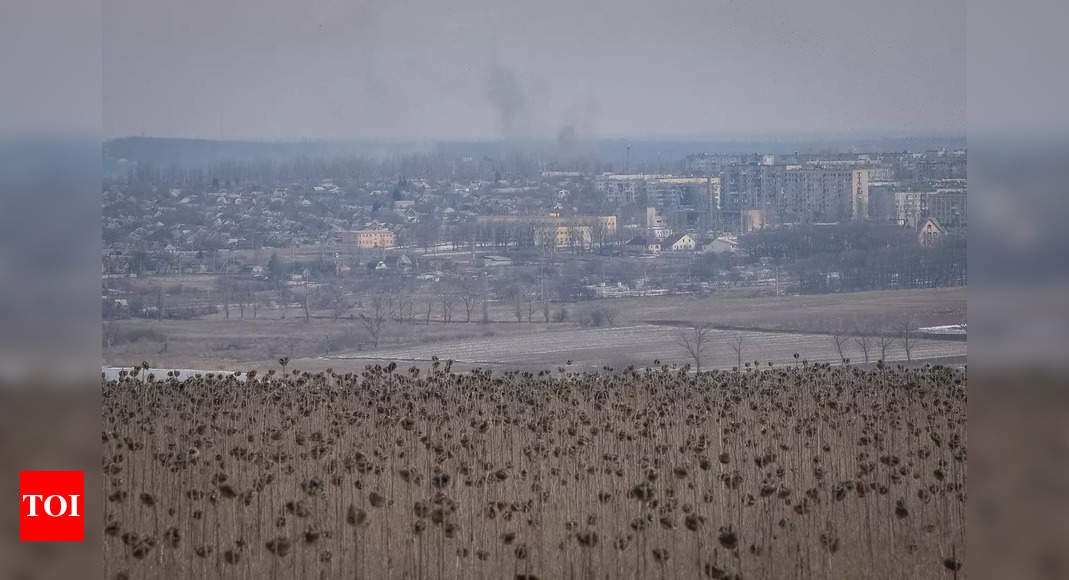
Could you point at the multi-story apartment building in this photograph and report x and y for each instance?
(661, 191)
(696, 193)
(621, 189)
(795, 193)
(833, 195)
(950, 208)
(910, 207)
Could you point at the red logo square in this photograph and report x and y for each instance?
(51, 506)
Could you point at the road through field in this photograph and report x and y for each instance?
(642, 344)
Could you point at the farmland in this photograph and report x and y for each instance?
(803, 470)
(215, 343)
(641, 345)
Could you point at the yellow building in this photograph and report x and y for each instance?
(560, 231)
(371, 238)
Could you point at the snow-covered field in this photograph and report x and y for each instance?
(641, 345)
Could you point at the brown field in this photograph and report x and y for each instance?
(793, 472)
(638, 345)
(214, 343)
(816, 313)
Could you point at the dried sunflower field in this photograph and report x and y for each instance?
(799, 471)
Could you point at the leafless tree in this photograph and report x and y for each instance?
(374, 317)
(840, 341)
(470, 292)
(864, 341)
(695, 340)
(338, 301)
(159, 303)
(885, 341)
(304, 304)
(284, 298)
(225, 286)
(906, 333)
(736, 345)
(449, 301)
(470, 300)
(404, 308)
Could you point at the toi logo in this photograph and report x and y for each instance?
(51, 506)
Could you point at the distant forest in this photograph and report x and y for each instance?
(202, 153)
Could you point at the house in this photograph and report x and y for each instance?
(679, 243)
(721, 245)
(930, 233)
(640, 245)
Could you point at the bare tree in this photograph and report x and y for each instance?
(885, 341)
(304, 304)
(907, 338)
(374, 318)
(470, 292)
(694, 340)
(470, 300)
(284, 298)
(840, 342)
(864, 341)
(405, 308)
(736, 345)
(225, 286)
(337, 301)
(449, 301)
(159, 303)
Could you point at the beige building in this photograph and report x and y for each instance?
(679, 243)
(930, 233)
(370, 238)
(750, 220)
(549, 230)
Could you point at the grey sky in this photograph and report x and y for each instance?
(480, 69)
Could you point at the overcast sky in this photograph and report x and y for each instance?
(372, 69)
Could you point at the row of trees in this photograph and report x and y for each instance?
(875, 344)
